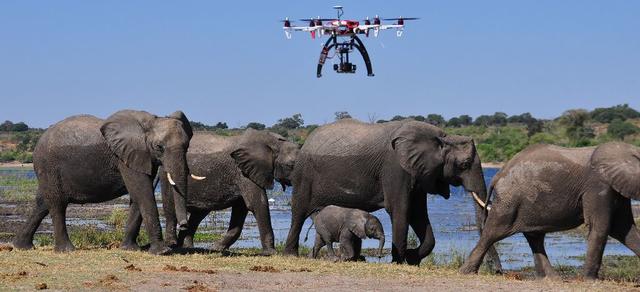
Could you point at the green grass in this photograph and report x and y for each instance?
(17, 189)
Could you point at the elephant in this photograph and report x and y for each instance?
(547, 188)
(239, 169)
(84, 159)
(347, 226)
(391, 165)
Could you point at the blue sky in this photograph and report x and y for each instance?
(229, 60)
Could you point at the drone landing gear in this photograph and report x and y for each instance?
(343, 49)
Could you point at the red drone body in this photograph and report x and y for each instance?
(336, 27)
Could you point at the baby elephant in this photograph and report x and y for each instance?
(347, 226)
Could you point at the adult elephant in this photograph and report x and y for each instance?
(391, 165)
(239, 169)
(84, 159)
(549, 188)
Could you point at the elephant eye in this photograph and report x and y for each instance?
(158, 147)
(465, 164)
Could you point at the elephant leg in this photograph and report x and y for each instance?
(598, 215)
(542, 264)
(319, 243)
(624, 229)
(140, 188)
(260, 208)
(134, 220)
(330, 251)
(185, 237)
(347, 250)
(419, 221)
(24, 239)
(236, 223)
(60, 234)
(299, 201)
(357, 248)
(493, 232)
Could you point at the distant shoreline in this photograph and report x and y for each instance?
(492, 164)
(15, 164)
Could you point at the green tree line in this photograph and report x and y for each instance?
(498, 137)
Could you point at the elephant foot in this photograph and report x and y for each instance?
(22, 244)
(333, 258)
(291, 252)
(218, 247)
(132, 246)
(160, 249)
(187, 243)
(67, 247)
(467, 269)
(412, 257)
(173, 243)
(268, 251)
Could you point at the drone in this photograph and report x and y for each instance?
(340, 28)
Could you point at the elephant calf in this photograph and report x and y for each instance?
(347, 226)
(549, 188)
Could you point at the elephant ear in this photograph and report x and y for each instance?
(418, 148)
(255, 160)
(125, 134)
(186, 125)
(618, 164)
(357, 227)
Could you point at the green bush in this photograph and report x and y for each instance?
(621, 129)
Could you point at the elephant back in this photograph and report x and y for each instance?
(349, 137)
(210, 143)
(80, 130)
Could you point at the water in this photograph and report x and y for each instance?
(453, 222)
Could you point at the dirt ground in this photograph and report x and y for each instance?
(104, 269)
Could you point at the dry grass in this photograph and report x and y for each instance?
(101, 268)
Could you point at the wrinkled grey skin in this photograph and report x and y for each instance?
(549, 188)
(239, 169)
(347, 226)
(83, 159)
(392, 165)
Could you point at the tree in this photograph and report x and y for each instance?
(465, 120)
(435, 119)
(483, 120)
(198, 126)
(454, 122)
(221, 125)
(398, 118)
(256, 125)
(575, 120)
(620, 129)
(292, 122)
(6, 126)
(342, 115)
(419, 118)
(20, 127)
(499, 119)
(608, 114)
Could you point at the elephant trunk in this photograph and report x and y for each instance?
(175, 164)
(381, 244)
(473, 181)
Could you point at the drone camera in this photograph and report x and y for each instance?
(345, 68)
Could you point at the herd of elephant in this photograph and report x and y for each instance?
(350, 166)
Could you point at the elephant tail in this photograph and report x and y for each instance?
(307, 235)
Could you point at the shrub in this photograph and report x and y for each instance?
(620, 129)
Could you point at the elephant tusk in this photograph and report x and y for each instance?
(170, 180)
(479, 201)
(197, 177)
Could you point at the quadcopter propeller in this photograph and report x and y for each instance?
(314, 19)
(402, 18)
